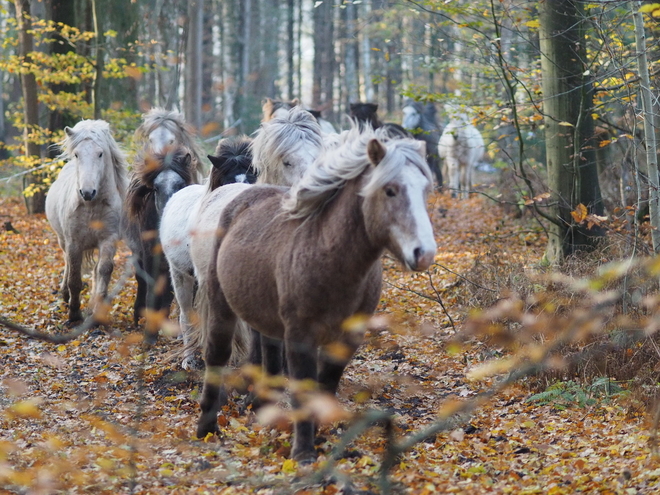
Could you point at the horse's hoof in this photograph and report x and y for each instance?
(192, 363)
(204, 430)
(304, 456)
(73, 320)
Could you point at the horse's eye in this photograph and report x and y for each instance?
(390, 192)
(287, 164)
(100, 154)
(75, 155)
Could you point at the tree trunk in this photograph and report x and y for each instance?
(193, 68)
(351, 54)
(649, 129)
(366, 55)
(62, 11)
(36, 202)
(324, 56)
(290, 68)
(567, 92)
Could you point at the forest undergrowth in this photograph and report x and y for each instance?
(474, 347)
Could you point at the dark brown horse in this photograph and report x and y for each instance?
(154, 180)
(295, 265)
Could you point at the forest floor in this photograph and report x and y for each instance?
(107, 413)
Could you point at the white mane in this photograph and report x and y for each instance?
(279, 136)
(347, 161)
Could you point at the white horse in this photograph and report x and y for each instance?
(85, 208)
(460, 147)
(282, 149)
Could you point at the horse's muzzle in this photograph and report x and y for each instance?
(88, 195)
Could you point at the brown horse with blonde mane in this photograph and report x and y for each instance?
(295, 265)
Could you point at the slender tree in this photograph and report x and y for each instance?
(193, 67)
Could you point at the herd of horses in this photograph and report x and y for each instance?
(271, 253)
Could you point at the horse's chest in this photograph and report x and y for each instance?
(94, 222)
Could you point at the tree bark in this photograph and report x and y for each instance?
(35, 203)
(351, 54)
(649, 129)
(569, 132)
(193, 68)
(290, 43)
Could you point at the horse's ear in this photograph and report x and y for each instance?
(187, 160)
(373, 107)
(375, 151)
(69, 131)
(217, 162)
(295, 102)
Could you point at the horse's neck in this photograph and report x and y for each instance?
(343, 228)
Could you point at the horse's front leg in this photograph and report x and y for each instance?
(302, 358)
(73, 269)
(334, 361)
(141, 293)
(103, 273)
(219, 324)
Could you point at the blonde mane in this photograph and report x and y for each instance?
(347, 161)
(99, 132)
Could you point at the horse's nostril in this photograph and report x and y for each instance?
(93, 194)
(417, 253)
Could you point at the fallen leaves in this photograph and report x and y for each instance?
(107, 412)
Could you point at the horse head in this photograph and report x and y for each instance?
(412, 115)
(91, 159)
(365, 113)
(394, 207)
(175, 174)
(232, 162)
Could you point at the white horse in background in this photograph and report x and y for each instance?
(460, 147)
(85, 208)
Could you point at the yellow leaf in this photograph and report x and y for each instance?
(289, 466)
(61, 348)
(580, 213)
(534, 24)
(566, 124)
(604, 142)
(645, 9)
(25, 409)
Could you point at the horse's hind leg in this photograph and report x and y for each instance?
(219, 327)
(73, 269)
